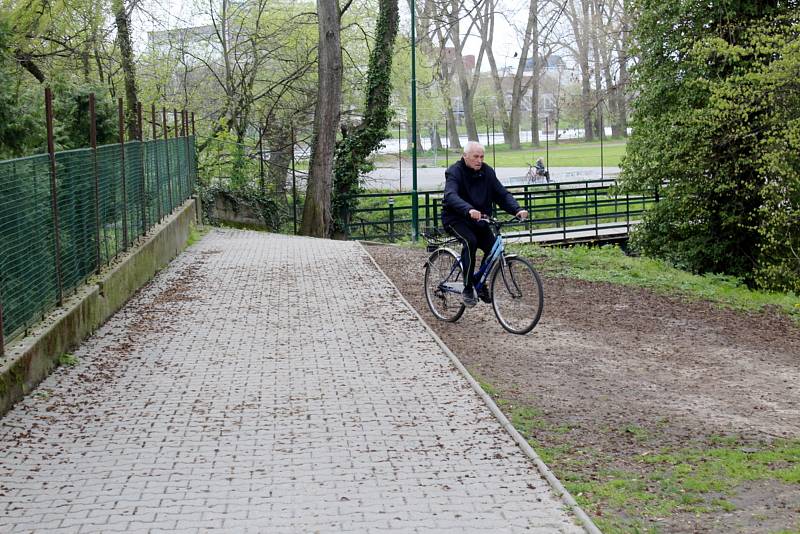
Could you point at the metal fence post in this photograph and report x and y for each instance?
(596, 222)
(185, 132)
(628, 212)
(428, 211)
(194, 156)
(51, 150)
(391, 218)
(121, 120)
(96, 175)
(2, 337)
(530, 215)
(294, 185)
(585, 201)
(446, 143)
(155, 162)
(262, 186)
(166, 152)
(399, 157)
(143, 185)
(178, 170)
(563, 211)
(558, 205)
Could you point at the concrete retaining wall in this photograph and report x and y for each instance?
(226, 210)
(30, 359)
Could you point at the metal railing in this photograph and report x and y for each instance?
(558, 212)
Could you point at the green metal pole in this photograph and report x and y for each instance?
(414, 198)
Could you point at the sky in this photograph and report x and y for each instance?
(156, 15)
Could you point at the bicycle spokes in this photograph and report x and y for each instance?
(443, 283)
(517, 296)
(510, 281)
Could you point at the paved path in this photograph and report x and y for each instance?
(265, 383)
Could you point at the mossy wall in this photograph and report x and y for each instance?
(30, 359)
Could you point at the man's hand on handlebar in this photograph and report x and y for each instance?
(480, 217)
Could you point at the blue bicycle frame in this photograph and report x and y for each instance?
(479, 279)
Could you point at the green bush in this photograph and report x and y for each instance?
(717, 119)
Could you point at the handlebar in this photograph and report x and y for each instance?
(497, 223)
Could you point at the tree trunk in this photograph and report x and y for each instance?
(467, 102)
(598, 67)
(280, 155)
(485, 22)
(621, 119)
(317, 217)
(85, 64)
(128, 66)
(535, 73)
(454, 141)
(581, 26)
(621, 122)
(467, 90)
(558, 105)
(535, 112)
(410, 139)
(436, 139)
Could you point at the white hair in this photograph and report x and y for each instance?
(472, 145)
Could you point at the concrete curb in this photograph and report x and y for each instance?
(560, 490)
(30, 359)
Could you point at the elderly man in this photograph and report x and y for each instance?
(471, 186)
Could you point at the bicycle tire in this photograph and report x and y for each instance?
(517, 295)
(443, 267)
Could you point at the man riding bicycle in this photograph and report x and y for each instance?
(471, 186)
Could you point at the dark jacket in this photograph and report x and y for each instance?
(466, 189)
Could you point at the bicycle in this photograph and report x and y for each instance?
(515, 287)
(534, 177)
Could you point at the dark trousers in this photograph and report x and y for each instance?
(473, 236)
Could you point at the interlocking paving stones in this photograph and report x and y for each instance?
(265, 383)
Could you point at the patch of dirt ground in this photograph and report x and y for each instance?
(614, 374)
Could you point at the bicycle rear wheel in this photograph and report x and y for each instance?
(443, 285)
(517, 295)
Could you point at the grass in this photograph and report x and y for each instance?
(68, 359)
(610, 264)
(565, 154)
(636, 493)
(196, 233)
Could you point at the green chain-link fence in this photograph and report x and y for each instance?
(102, 205)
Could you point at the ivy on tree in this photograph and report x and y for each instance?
(351, 159)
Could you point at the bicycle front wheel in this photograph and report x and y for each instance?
(517, 295)
(443, 285)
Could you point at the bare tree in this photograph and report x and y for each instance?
(428, 24)
(619, 126)
(451, 15)
(580, 23)
(530, 48)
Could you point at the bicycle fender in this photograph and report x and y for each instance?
(448, 249)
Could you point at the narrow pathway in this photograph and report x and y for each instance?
(265, 383)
